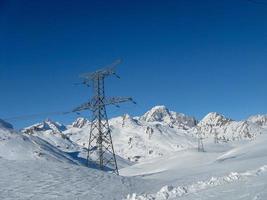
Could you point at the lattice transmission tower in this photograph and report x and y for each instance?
(100, 146)
(200, 145)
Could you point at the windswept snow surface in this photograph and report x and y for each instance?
(170, 192)
(24, 180)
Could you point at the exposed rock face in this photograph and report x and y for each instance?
(80, 123)
(162, 114)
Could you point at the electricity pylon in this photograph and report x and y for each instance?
(200, 146)
(100, 140)
(216, 138)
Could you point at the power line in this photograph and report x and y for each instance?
(25, 117)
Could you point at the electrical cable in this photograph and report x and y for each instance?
(25, 117)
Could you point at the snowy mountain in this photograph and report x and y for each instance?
(260, 120)
(214, 119)
(139, 140)
(80, 123)
(16, 146)
(162, 114)
(227, 129)
(157, 133)
(52, 132)
(47, 125)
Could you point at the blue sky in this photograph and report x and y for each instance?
(192, 56)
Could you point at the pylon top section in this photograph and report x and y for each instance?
(102, 73)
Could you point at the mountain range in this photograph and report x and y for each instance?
(156, 133)
(157, 157)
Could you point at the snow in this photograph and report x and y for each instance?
(31, 168)
(15, 146)
(44, 126)
(157, 157)
(23, 180)
(260, 120)
(80, 123)
(170, 192)
(192, 173)
(228, 129)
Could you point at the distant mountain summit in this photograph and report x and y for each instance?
(214, 119)
(80, 122)
(163, 114)
(227, 129)
(47, 125)
(158, 114)
(52, 132)
(260, 120)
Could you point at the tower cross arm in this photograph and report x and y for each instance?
(117, 100)
(85, 106)
(106, 71)
(107, 101)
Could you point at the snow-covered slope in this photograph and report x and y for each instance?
(24, 180)
(52, 132)
(141, 140)
(31, 168)
(16, 146)
(191, 174)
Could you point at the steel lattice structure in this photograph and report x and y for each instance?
(200, 145)
(100, 140)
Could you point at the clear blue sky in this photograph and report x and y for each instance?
(192, 56)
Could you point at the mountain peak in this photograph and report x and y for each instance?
(260, 120)
(157, 113)
(163, 114)
(214, 119)
(80, 122)
(46, 125)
